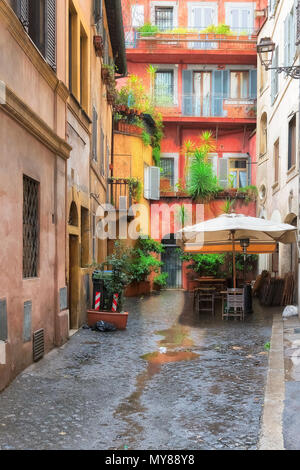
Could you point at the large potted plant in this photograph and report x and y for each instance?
(115, 285)
(144, 261)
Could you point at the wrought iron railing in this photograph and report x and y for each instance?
(194, 39)
(120, 195)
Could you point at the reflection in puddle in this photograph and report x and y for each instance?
(170, 356)
(173, 348)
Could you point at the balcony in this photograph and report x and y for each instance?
(120, 193)
(209, 106)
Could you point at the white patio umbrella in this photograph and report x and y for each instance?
(222, 233)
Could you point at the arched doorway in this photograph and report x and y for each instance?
(74, 261)
(172, 263)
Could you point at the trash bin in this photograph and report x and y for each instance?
(99, 285)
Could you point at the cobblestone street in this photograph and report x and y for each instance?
(170, 381)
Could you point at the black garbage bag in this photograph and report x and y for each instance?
(104, 326)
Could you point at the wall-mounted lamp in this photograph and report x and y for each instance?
(265, 50)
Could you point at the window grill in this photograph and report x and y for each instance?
(167, 165)
(30, 227)
(164, 18)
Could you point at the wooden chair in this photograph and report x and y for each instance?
(205, 300)
(235, 304)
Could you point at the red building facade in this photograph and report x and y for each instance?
(205, 79)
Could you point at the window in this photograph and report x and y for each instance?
(102, 156)
(168, 173)
(137, 15)
(164, 18)
(202, 15)
(290, 38)
(84, 237)
(37, 24)
(239, 84)
(292, 143)
(202, 93)
(238, 172)
(164, 87)
(263, 145)
(240, 17)
(95, 136)
(276, 161)
(39, 19)
(83, 68)
(30, 227)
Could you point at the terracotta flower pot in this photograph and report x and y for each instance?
(98, 45)
(119, 320)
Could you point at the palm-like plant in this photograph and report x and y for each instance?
(202, 183)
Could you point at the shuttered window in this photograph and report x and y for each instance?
(240, 18)
(39, 19)
(290, 37)
(95, 135)
(292, 143)
(102, 156)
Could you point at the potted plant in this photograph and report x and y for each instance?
(115, 285)
(98, 45)
(160, 281)
(143, 263)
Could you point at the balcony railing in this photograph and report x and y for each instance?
(207, 106)
(194, 40)
(120, 194)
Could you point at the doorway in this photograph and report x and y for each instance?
(202, 92)
(172, 264)
(73, 280)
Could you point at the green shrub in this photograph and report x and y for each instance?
(148, 30)
(161, 280)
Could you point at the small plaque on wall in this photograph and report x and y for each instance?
(27, 329)
(3, 320)
(63, 295)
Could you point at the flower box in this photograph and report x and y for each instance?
(138, 288)
(119, 320)
(98, 45)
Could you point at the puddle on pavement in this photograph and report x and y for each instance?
(173, 348)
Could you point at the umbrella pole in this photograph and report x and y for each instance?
(233, 259)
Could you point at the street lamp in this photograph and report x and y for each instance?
(265, 51)
(244, 242)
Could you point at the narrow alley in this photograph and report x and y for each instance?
(170, 381)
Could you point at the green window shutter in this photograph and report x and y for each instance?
(50, 39)
(253, 84)
(223, 172)
(187, 79)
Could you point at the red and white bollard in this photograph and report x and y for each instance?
(97, 301)
(115, 302)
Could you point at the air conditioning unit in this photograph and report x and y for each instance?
(152, 183)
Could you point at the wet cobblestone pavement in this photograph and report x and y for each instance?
(170, 381)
